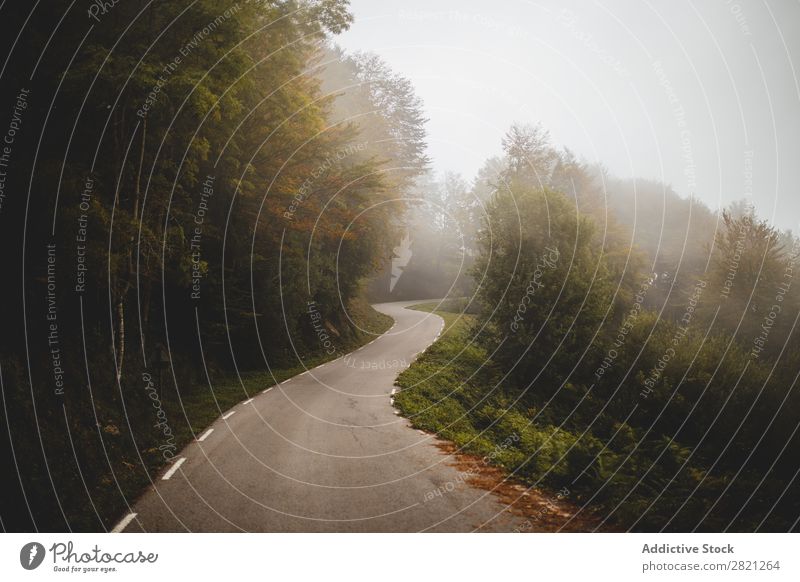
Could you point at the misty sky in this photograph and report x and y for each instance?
(676, 91)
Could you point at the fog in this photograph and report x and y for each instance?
(455, 266)
(700, 96)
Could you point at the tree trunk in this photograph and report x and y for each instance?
(120, 337)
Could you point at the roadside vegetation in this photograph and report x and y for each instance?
(658, 383)
(206, 204)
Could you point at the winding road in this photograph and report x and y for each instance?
(323, 452)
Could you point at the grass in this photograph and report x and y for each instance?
(454, 390)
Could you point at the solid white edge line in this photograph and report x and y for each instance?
(175, 466)
(205, 435)
(124, 523)
(227, 416)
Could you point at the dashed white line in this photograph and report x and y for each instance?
(227, 416)
(175, 466)
(205, 435)
(268, 389)
(394, 391)
(124, 523)
(247, 401)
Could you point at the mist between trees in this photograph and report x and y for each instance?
(188, 177)
(653, 373)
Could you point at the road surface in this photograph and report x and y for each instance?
(323, 452)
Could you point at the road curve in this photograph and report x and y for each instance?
(323, 452)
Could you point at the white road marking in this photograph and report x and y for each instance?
(396, 411)
(247, 401)
(268, 389)
(205, 435)
(304, 373)
(175, 466)
(124, 523)
(391, 401)
(227, 416)
(285, 381)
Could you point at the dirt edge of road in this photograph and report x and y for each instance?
(542, 511)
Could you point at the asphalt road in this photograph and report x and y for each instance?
(323, 452)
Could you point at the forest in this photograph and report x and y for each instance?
(200, 198)
(168, 180)
(632, 366)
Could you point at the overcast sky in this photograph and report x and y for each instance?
(683, 92)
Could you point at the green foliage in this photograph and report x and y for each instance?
(660, 411)
(217, 164)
